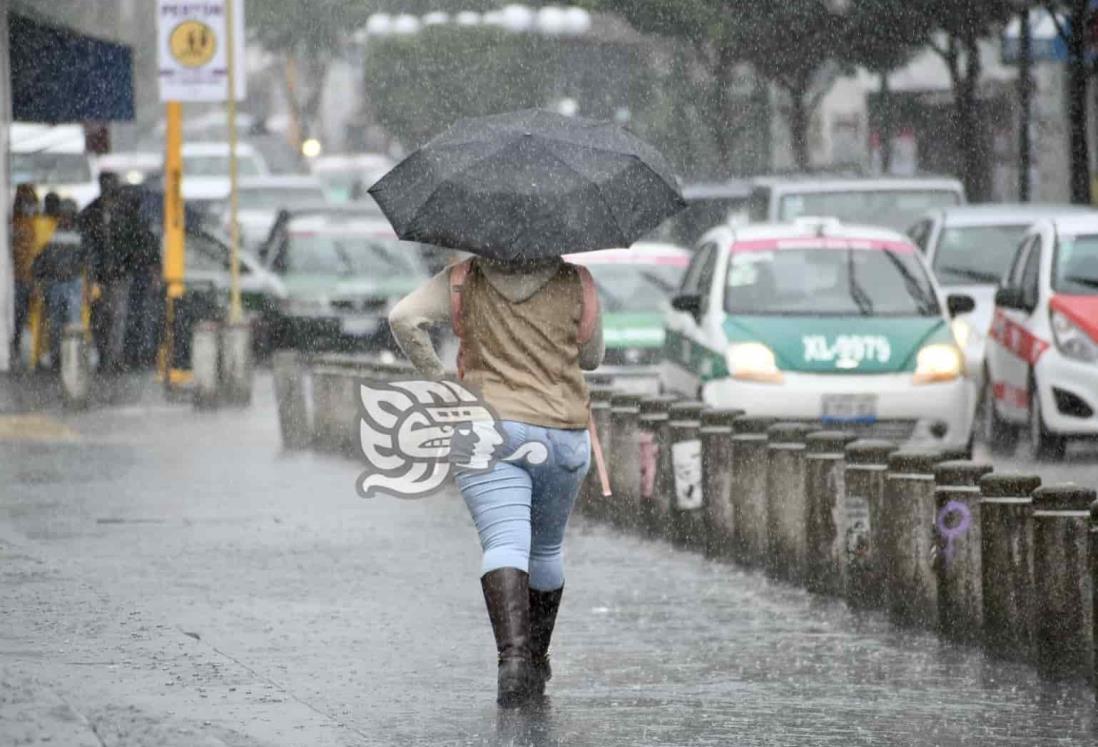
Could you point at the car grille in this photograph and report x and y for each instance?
(632, 356)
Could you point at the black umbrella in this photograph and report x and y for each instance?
(528, 185)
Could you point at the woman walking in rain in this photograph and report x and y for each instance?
(520, 190)
(525, 342)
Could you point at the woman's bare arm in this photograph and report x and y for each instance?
(410, 319)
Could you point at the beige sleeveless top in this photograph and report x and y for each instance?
(524, 356)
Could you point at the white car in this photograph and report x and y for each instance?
(132, 167)
(206, 170)
(346, 177)
(969, 250)
(892, 202)
(53, 159)
(261, 197)
(1042, 356)
(823, 323)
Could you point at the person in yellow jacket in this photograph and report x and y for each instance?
(23, 248)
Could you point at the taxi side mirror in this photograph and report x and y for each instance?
(687, 302)
(958, 304)
(1011, 298)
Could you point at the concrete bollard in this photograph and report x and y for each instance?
(1063, 627)
(960, 571)
(290, 396)
(624, 459)
(1006, 542)
(749, 470)
(786, 506)
(908, 548)
(325, 428)
(75, 374)
(591, 500)
(687, 525)
(236, 363)
(664, 489)
(716, 437)
(653, 417)
(866, 471)
(206, 364)
(825, 506)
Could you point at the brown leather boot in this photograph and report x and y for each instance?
(543, 616)
(506, 593)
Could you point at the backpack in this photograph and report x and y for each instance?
(589, 317)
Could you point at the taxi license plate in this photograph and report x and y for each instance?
(848, 408)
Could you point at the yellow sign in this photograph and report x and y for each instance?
(193, 43)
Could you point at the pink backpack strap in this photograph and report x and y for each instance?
(589, 316)
(458, 273)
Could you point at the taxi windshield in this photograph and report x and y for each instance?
(894, 208)
(635, 287)
(828, 282)
(976, 254)
(1076, 266)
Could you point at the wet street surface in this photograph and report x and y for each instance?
(172, 578)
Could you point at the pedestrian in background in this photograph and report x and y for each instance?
(59, 273)
(24, 210)
(523, 346)
(111, 228)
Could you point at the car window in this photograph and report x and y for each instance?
(219, 166)
(1075, 268)
(205, 255)
(920, 234)
(348, 254)
(634, 287)
(690, 281)
(273, 198)
(758, 205)
(1031, 276)
(705, 278)
(895, 208)
(976, 254)
(1014, 277)
(829, 282)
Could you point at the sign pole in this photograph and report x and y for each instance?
(174, 248)
(234, 227)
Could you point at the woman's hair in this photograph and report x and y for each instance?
(25, 196)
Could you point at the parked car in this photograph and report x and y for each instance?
(261, 197)
(54, 159)
(132, 167)
(206, 171)
(635, 287)
(342, 272)
(1042, 356)
(823, 323)
(969, 249)
(891, 202)
(707, 204)
(346, 177)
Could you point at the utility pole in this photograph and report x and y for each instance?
(235, 313)
(1025, 105)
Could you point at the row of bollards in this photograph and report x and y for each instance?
(931, 539)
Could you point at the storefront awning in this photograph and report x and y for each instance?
(60, 75)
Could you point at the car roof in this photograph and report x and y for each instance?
(1006, 214)
(350, 161)
(812, 230)
(350, 225)
(735, 189)
(215, 149)
(643, 252)
(280, 181)
(1073, 225)
(811, 183)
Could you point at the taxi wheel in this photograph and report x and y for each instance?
(1042, 444)
(1001, 436)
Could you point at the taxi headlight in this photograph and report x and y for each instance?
(938, 362)
(1072, 341)
(753, 361)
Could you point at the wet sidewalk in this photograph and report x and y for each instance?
(171, 578)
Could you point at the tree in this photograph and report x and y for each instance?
(1072, 27)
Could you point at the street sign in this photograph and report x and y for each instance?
(193, 51)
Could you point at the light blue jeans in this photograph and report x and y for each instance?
(521, 510)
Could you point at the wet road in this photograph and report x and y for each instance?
(170, 578)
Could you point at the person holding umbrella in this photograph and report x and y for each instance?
(519, 190)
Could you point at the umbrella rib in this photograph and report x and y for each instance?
(619, 153)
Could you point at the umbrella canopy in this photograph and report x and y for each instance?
(529, 185)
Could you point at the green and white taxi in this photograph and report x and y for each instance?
(824, 323)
